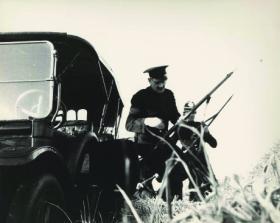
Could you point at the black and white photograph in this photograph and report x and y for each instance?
(139, 111)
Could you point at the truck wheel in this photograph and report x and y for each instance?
(38, 201)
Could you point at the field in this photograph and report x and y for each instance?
(253, 199)
(235, 200)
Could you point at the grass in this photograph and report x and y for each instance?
(254, 199)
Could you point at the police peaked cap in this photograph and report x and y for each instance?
(157, 72)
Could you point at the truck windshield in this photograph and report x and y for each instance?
(26, 79)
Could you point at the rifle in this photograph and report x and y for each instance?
(206, 98)
(210, 120)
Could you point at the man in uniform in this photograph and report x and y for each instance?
(189, 134)
(151, 111)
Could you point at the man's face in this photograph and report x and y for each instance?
(158, 85)
(191, 117)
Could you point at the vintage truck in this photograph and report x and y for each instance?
(58, 101)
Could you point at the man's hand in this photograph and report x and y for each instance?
(154, 122)
(205, 127)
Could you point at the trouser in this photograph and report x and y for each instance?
(154, 161)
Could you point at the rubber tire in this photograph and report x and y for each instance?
(31, 197)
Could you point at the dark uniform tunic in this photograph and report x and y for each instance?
(148, 103)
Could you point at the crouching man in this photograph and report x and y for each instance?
(192, 134)
(151, 110)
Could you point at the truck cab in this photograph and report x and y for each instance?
(58, 100)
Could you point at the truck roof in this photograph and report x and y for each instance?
(80, 70)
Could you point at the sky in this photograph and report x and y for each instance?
(201, 41)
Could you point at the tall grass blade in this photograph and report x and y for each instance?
(62, 211)
(129, 203)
